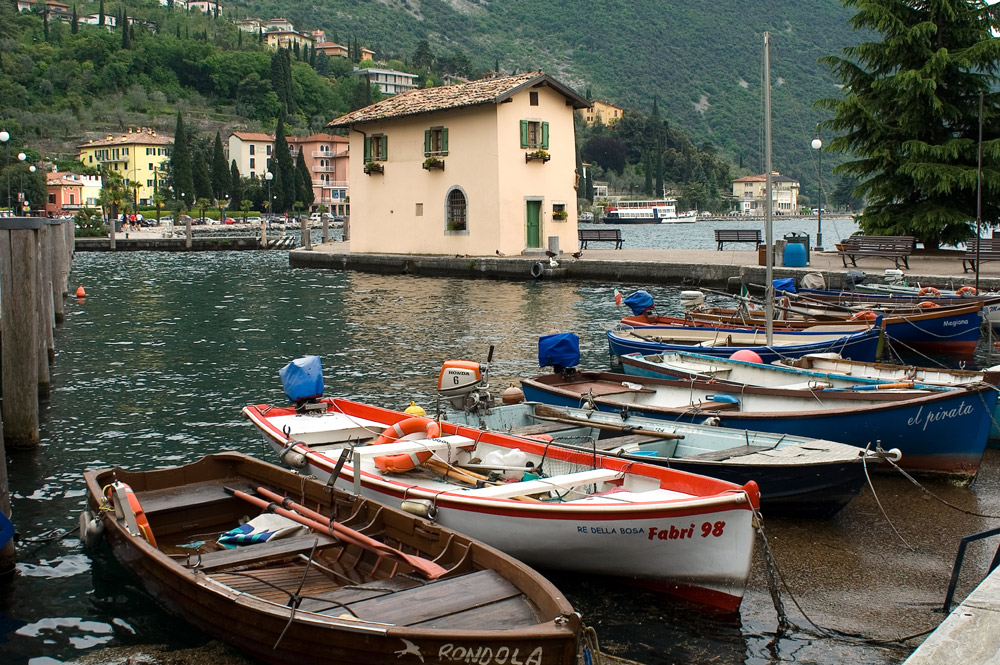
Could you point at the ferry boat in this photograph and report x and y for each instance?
(660, 211)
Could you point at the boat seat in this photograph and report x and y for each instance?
(527, 487)
(245, 555)
(727, 453)
(408, 446)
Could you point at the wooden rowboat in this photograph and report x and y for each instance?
(683, 534)
(378, 586)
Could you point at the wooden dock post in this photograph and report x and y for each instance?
(8, 555)
(111, 235)
(306, 233)
(46, 340)
(19, 347)
(187, 234)
(56, 247)
(325, 238)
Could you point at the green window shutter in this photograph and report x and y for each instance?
(368, 149)
(385, 148)
(545, 135)
(444, 141)
(524, 134)
(427, 142)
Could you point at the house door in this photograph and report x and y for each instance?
(534, 214)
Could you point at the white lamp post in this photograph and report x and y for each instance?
(817, 144)
(5, 139)
(20, 195)
(269, 177)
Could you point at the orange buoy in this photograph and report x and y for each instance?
(80, 293)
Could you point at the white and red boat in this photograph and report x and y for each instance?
(681, 533)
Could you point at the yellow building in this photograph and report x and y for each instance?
(750, 193)
(287, 39)
(481, 168)
(608, 114)
(138, 156)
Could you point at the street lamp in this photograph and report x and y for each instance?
(269, 177)
(31, 169)
(20, 195)
(817, 144)
(5, 139)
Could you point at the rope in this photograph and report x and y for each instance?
(864, 463)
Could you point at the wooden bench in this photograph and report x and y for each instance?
(896, 248)
(599, 235)
(722, 236)
(989, 250)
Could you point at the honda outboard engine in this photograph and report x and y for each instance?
(465, 383)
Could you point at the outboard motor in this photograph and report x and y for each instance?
(561, 351)
(465, 383)
(692, 299)
(302, 380)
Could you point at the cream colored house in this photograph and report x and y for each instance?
(607, 113)
(480, 168)
(252, 153)
(750, 194)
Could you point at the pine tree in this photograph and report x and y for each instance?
(908, 116)
(220, 170)
(202, 179)
(100, 14)
(239, 39)
(304, 182)
(74, 25)
(362, 94)
(235, 186)
(180, 164)
(123, 23)
(423, 57)
(284, 170)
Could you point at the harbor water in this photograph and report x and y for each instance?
(156, 363)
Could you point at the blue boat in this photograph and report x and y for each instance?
(922, 426)
(860, 344)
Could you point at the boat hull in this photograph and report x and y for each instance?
(922, 428)
(699, 550)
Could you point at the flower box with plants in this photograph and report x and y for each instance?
(374, 167)
(433, 162)
(536, 155)
(560, 215)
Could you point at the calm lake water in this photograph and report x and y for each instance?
(155, 365)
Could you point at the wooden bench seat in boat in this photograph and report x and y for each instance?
(245, 555)
(727, 453)
(479, 599)
(543, 428)
(186, 497)
(528, 487)
(408, 446)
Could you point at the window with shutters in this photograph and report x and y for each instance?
(436, 141)
(376, 148)
(534, 134)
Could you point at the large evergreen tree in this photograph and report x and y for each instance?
(303, 182)
(909, 115)
(220, 170)
(202, 179)
(235, 186)
(283, 169)
(180, 164)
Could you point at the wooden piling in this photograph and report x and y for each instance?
(187, 233)
(8, 555)
(111, 235)
(56, 247)
(326, 230)
(46, 342)
(305, 232)
(19, 317)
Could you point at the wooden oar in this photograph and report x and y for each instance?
(427, 568)
(544, 412)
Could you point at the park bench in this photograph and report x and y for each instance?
(988, 250)
(599, 235)
(895, 248)
(722, 236)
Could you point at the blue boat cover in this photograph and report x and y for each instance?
(639, 302)
(302, 379)
(6, 529)
(785, 284)
(560, 350)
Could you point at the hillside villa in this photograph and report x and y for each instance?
(480, 168)
(750, 194)
(139, 156)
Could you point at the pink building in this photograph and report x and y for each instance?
(327, 158)
(64, 193)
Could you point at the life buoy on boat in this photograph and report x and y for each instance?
(127, 507)
(967, 291)
(927, 304)
(406, 461)
(865, 315)
(928, 291)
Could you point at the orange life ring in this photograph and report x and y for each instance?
(135, 508)
(927, 304)
(865, 315)
(967, 291)
(928, 290)
(406, 461)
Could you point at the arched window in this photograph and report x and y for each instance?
(457, 212)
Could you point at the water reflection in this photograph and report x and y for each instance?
(155, 364)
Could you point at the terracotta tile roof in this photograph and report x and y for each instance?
(253, 136)
(316, 138)
(144, 136)
(474, 93)
(776, 177)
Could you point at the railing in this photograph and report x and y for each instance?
(324, 169)
(329, 154)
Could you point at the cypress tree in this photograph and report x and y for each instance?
(239, 39)
(295, 49)
(278, 77)
(286, 62)
(235, 186)
(304, 182)
(281, 165)
(74, 26)
(178, 31)
(123, 22)
(220, 170)
(908, 116)
(312, 56)
(216, 9)
(648, 168)
(202, 179)
(100, 14)
(45, 23)
(180, 164)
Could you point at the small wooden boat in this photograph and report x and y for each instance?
(683, 534)
(897, 294)
(922, 426)
(861, 343)
(353, 581)
(797, 476)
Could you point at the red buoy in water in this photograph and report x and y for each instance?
(80, 293)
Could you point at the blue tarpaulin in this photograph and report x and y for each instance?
(561, 350)
(785, 284)
(639, 302)
(302, 379)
